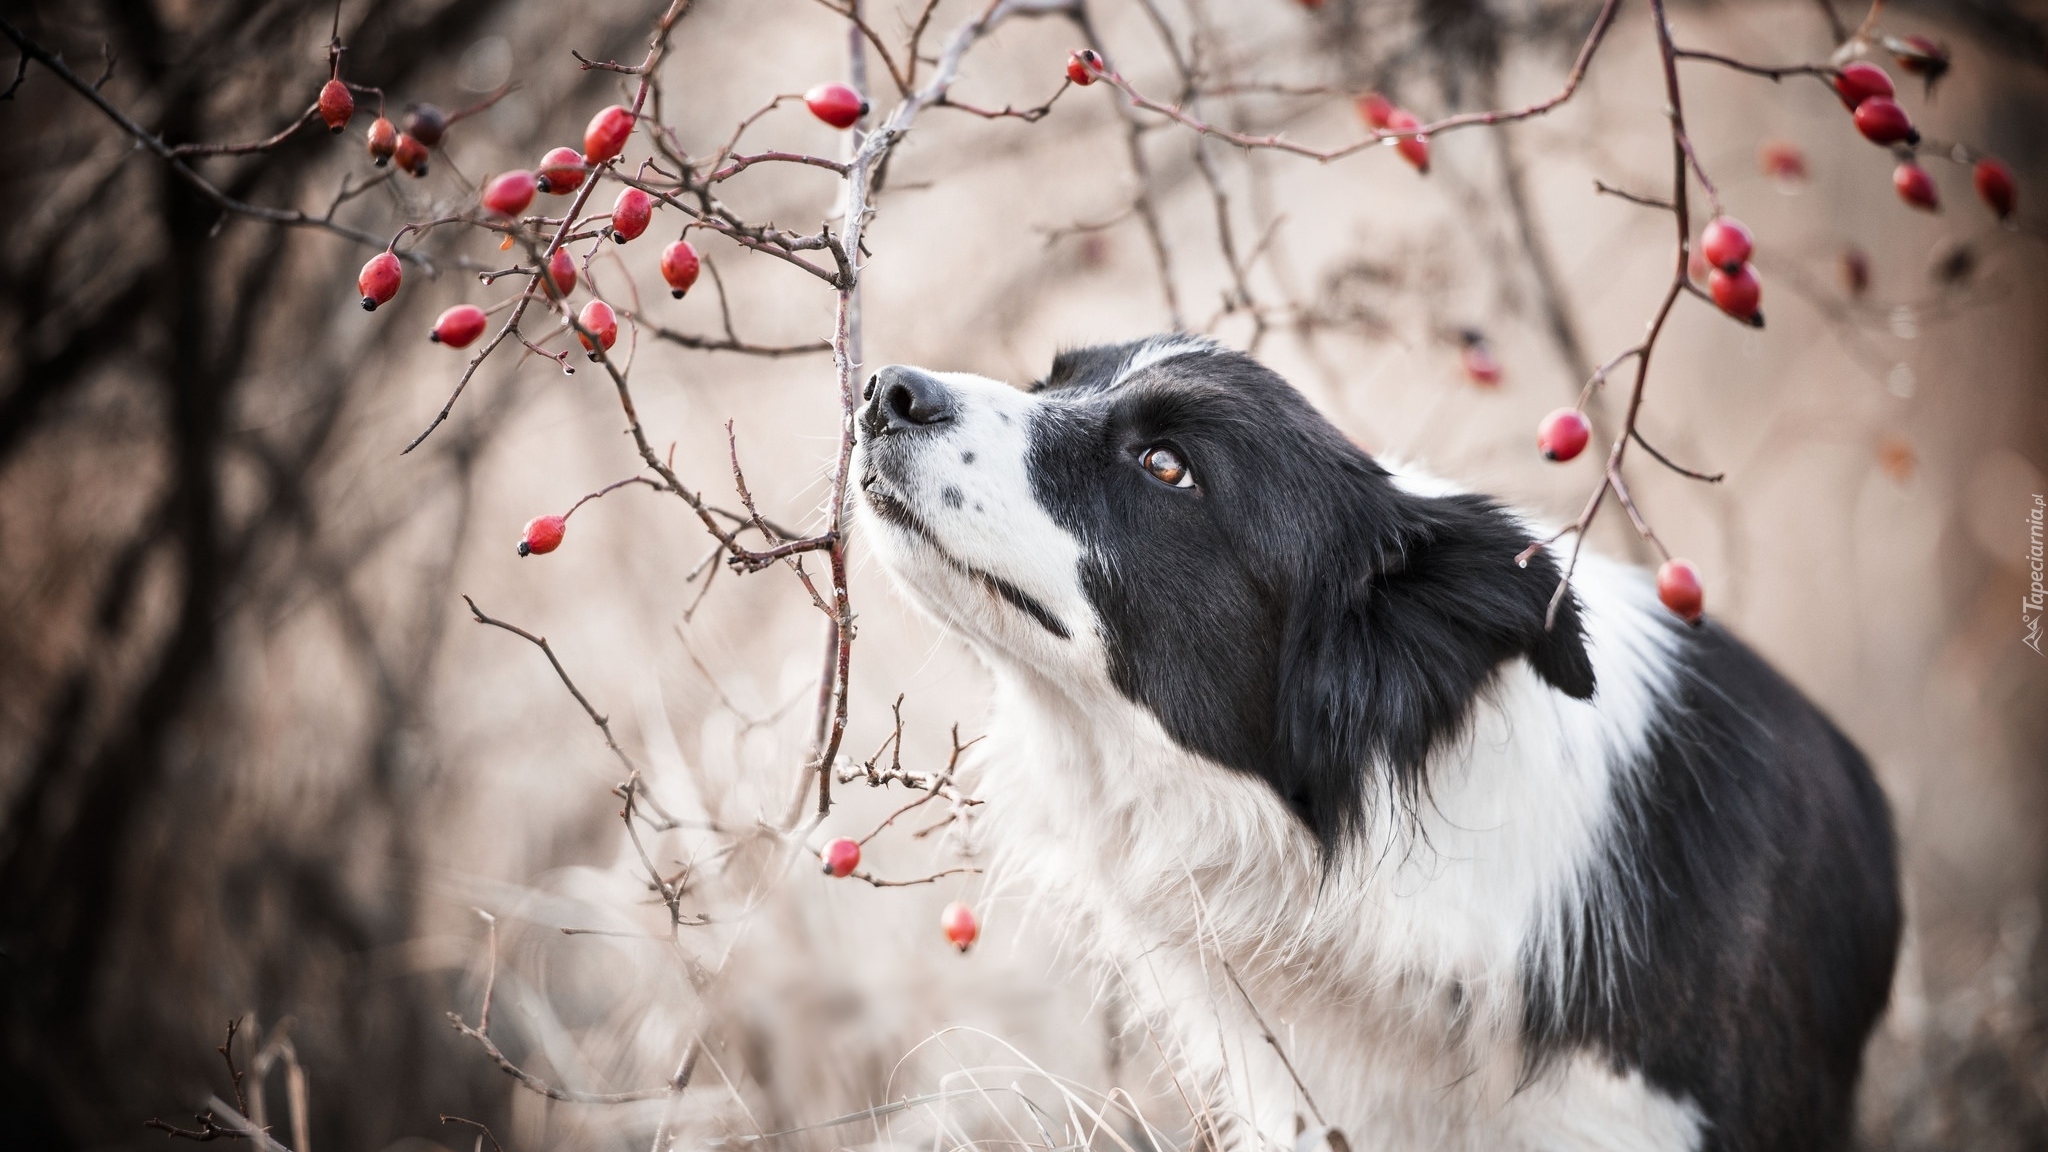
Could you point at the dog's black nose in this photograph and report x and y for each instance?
(902, 399)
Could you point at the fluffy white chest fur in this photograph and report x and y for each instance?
(1392, 984)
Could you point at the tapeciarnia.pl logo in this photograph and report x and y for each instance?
(2037, 597)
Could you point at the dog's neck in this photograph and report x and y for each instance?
(1092, 803)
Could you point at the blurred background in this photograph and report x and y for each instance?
(257, 763)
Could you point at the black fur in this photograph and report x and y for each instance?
(1296, 615)
(1748, 950)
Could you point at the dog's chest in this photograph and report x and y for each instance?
(1392, 983)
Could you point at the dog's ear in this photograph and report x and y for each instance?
(1392, 634)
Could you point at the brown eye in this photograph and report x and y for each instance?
(1166, 466)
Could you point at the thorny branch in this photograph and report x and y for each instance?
(290, 217)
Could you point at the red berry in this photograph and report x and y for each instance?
(459, 326)
(960, 926)
(606, 137)
(1678, 586)
(597, 317)
(836, 104)
(1478, 359)
(562, 272)
(1376, 110)
(1860, 81)
(679, 267)
(1883, 122)
(561, 172)
(383, 141)
(425, 123)
(1726, 243)
(1563, 434)
(410, 155)
(630, 214)
(378, 281)
(1737, 293)
(1916, 187)
(1413, 149)
(1995, 187)
(509, 193)
(841, 857)
(1927, 59)
(1082, 66)
(543, 535)
(336, 105)
(1782, 160)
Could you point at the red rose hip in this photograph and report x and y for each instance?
(1678, 586)
(459, 326)
(1994, 186)
(336, 105)
(1737, 293)
(1413, 149)
(1477, 358)
(562, 272)
(1860, 81)
(1726, 243)
(561, 172)
(383, 141)
(1782, 160)
(378, 281)
(509, 193)
(1083, 65)
(410, 155)
(597, 317)
(836, 104)
(679, 267)
(426, 123)
(1883, 122)
(1375, 110)
(841, 857)
(1927, 59)
(959, 925)
(1916, 187)
(607, 134)
(1563, 434)
(630, 214)
(543, 535)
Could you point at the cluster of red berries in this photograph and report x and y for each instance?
(425, 124)
(1866, 90)
(1727, 245)
(560, 172)
(1383, 115)
(842, 855)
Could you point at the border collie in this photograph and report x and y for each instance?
(1284, 735)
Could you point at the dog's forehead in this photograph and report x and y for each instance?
(1106, 367)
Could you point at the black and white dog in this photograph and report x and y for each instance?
(1285, 732)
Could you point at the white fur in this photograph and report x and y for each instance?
(1158, 349)
(1392, 985)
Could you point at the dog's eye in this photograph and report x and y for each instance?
(1166, 466)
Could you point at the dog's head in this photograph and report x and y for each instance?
(1175, 515)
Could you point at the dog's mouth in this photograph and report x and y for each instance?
(889, 507)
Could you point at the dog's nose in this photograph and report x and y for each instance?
(903, 399)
